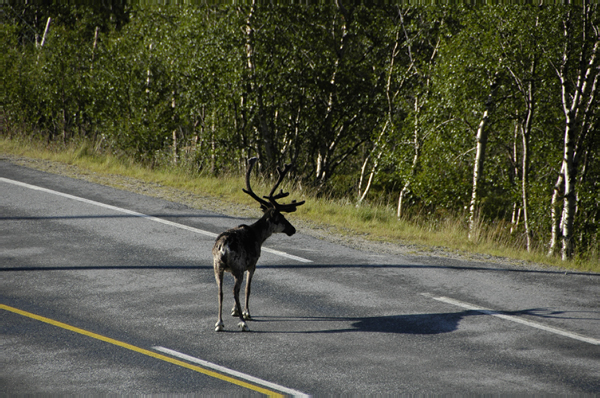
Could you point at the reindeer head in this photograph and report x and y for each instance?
(271, 207)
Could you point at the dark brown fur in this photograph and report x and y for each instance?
(237, 251)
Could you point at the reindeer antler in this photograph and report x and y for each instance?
(272, 199)
(284, 207)
(263, 203)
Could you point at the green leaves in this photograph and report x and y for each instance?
(343, 93)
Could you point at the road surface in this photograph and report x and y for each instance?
(106, 291)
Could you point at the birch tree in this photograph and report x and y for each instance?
(401, 41)
(347, 97)
(334, 131)
(578, 73)
(473, 64)
(422, 68)
(521, 35)
(481, 138)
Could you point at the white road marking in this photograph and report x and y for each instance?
(141, 215)
(231, 372)
(515, 319)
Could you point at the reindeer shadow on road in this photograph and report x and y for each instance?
(415, 324)
(411, 324)
(424, 324)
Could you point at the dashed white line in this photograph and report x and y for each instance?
(231, 372)
(512, 318)
(141, 215)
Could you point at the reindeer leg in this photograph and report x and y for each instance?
(236, 295)
(219, 278)
(246, 313)
(235, 310)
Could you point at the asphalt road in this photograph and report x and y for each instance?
(106, 291)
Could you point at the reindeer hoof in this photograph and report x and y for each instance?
(234, 312)
(247, 316)
(219, 326)
(244, 327)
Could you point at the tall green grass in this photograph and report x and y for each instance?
(371, 221)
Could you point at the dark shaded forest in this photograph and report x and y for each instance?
(490, 111)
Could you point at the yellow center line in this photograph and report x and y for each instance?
(143, 351)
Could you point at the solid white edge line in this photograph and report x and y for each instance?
(231, 372)
(512, 318)
(283, 254)
(141, 215)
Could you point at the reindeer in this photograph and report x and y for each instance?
(237, 250)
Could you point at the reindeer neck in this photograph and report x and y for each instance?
(262, 229)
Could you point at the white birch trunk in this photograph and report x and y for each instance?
(45, 32)
(362, 194)
(524, 188)
(569, 195)
(577, 106)
(482, 136)
(525, 134)
(371, 175)
(415, 161)
(555, 214)
(516, 213)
